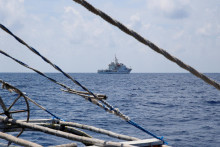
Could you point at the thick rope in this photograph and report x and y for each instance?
(25, 65)
(148, 43)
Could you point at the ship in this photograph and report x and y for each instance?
(115, 68)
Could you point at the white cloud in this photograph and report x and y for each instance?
(209, 29)
(178, 34)
(68, 33)
(11, 12)
(134, 21)
(205, 30)
(174, 9)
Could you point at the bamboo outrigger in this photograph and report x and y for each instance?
(51, 127)
(57, 127)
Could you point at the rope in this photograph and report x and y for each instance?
(25, 65)
(105, 106)
(146, 131)
(148, 43)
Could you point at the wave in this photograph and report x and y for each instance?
(213, 102)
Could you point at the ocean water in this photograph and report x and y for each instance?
(178, 106)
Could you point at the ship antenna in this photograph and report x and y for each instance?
(116, 60)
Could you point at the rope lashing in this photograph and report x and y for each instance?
(148, 43)
(85, 94)
(46, 60)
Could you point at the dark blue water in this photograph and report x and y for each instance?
(180, 107)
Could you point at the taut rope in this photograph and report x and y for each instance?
(148, 43)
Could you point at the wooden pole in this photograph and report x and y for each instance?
(86, 95)
(68, 129)
(52, 123)
(98, 130)
(66, 145)
(82, 139)
(18, 141)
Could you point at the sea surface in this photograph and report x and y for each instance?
(178, 106)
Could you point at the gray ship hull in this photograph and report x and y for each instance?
(113, 72)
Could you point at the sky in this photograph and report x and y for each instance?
(79, 41)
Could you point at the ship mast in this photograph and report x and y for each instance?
(116, 60)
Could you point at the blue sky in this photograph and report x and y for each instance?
(79, 41)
